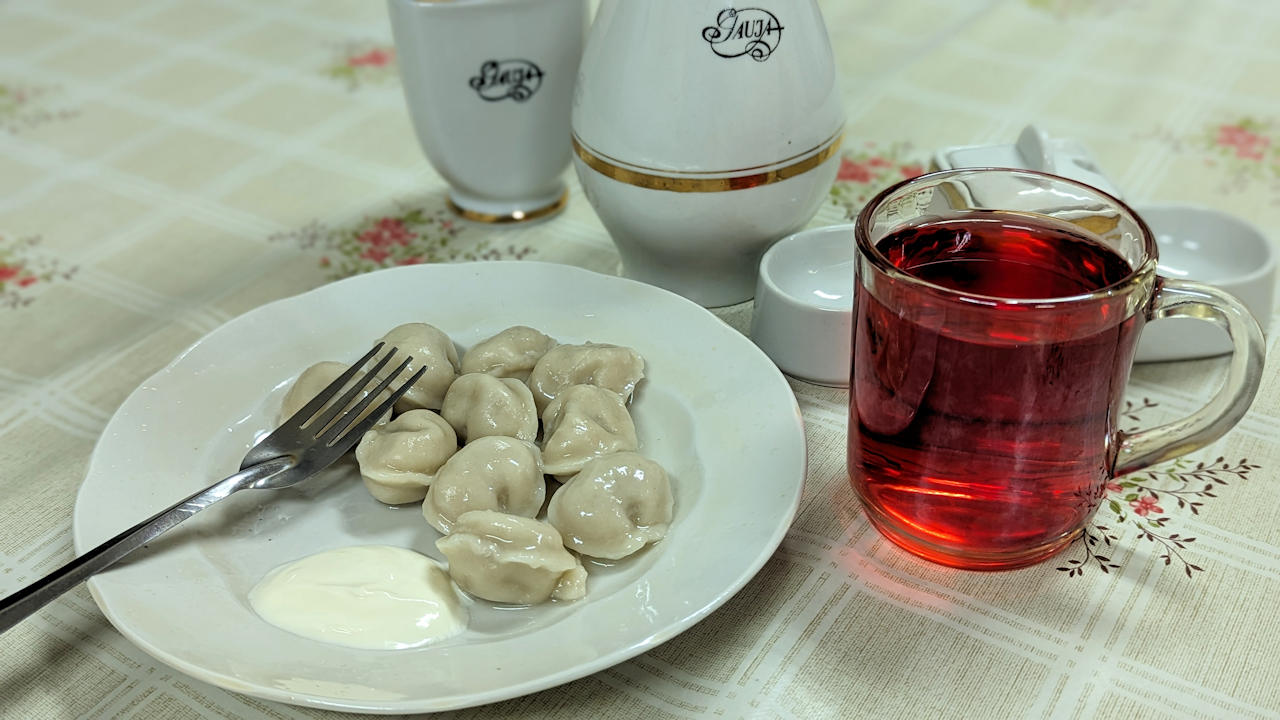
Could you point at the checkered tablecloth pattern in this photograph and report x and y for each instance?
(166, 165)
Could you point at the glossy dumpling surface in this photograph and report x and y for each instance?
(479, 405)
(612, 367)
(492, 473)
(430, 348)
(399, 459)
(583, 422)
(511, 353)
(511, 559)
(616, 505)
(312, 381)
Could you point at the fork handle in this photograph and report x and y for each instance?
(18, 606)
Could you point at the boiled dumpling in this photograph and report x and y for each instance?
(583, 422)
(478, 405)
(511, 559)
(616, 505)
(612, 367)
(317, 378)
(399, 459)
(430, 348)
(511, 353)
(492, 473)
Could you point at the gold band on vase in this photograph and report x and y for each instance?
(517, 216)
(700, 181)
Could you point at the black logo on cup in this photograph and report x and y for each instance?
(749, 31)
(502, 79)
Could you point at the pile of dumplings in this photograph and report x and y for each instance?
(475, 438)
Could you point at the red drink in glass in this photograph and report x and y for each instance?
(996, 317)
(973, 435)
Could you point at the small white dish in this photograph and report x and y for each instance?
(804, 304)
(713, 410)
(1215, 248)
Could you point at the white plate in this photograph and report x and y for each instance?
(714, 410)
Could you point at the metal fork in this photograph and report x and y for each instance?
(303, 445)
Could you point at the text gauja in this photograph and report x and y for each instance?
(746, 31)
(502, 79)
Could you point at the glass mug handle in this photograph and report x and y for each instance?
(1180, 298)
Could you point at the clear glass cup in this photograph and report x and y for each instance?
(995, 322)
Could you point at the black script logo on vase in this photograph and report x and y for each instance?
(502, 79)
(749, 31)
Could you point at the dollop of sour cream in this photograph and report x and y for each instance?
(374, 597)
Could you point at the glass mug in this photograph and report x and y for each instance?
(996, 317)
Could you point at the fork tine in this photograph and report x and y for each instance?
(309, 410)
(338, 434)
(322, 421)
(351, 414)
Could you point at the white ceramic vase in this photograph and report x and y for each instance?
(703, 131)
(488, 86)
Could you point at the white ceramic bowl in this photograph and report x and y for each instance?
(1215, 248)
(804, 304)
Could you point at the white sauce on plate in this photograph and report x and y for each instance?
(375, 597)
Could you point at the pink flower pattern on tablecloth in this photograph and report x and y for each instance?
(362, 62)
(853, 171)
(1146, 505)
(27, 106)
(376, 57)
(866, 171)
(1245, 148)
(24, 271)
(1247, 144)
(1242, 152)
(1135, 505)
(410, 234)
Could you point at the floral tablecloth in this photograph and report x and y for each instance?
(166, 165)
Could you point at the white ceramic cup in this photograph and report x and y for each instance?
(703, 133)
(489, 84)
